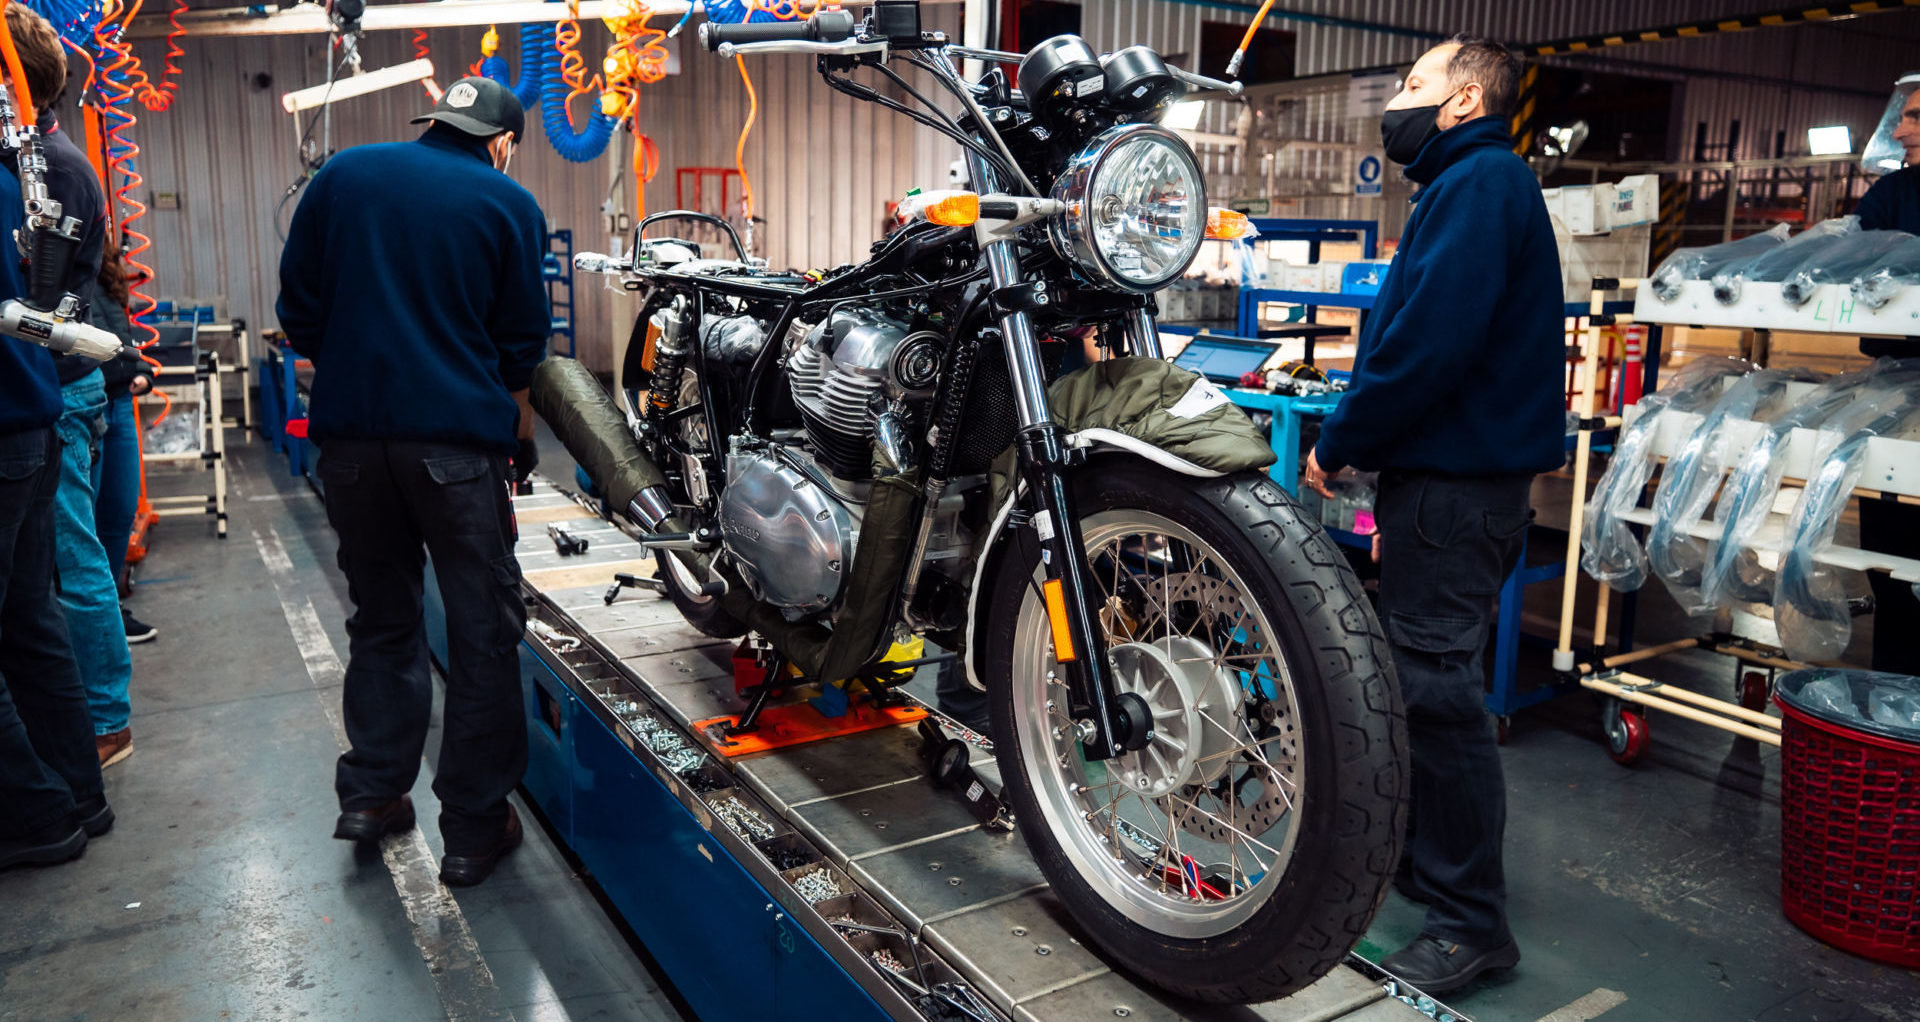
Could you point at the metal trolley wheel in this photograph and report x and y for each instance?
(1628, 735)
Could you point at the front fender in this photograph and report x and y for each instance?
(1093, 440)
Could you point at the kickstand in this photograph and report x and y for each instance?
(750, 722)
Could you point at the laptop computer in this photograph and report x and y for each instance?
(1224, 360)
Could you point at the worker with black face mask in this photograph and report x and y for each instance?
(1457, 401)
(411, 278)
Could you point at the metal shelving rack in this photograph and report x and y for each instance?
(556, 269)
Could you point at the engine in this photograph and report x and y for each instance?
(850, 367)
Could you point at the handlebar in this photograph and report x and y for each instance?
(823, 27)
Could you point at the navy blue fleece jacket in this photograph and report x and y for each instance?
(1460, 365)
(29, 391)
(411, 278)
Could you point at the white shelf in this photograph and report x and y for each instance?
(1832, 310)
(1772, 537)
(1890, 466)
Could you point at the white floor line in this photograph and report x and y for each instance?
(1591, 1006)
(460, 975)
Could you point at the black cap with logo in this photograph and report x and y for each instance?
(478, 106)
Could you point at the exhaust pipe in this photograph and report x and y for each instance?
(583, 416)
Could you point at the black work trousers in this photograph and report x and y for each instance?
(1890, 527)
(393, 504)
(1447, 544)
(48, 767)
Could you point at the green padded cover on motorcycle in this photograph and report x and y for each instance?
(859, 632)
(1174, 409)
(582, 414)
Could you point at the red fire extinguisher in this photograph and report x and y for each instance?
(1631, 376)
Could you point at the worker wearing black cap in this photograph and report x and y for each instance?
(411, 279)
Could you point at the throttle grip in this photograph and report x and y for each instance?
(824, 27)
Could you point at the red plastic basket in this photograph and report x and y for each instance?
(1850, 837)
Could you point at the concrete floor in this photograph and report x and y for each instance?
(221, 896)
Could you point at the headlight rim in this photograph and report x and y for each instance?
(1072, 230)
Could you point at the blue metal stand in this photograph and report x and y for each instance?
(556, 268)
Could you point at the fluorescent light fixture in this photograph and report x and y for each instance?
(357, 85)
(1184, 116)
(1832, 140)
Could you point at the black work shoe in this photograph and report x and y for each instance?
(95, 818)
(376, 823)
(1434, 965)
(467, 870)
(48, 846)
(138, 631)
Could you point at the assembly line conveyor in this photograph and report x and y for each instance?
(787, 884)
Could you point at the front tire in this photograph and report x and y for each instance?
(1244, 852)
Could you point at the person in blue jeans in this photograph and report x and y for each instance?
(117, 486)
(88, 594)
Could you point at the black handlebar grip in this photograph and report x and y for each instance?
(824, 27)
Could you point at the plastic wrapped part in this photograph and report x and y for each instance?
(1883, 153)
(1774, 264)
(1703, 263)
(583, 416)
(1843, 261)
(1610, 552)
(1899, 268)
(1693, 475)
(1810, 608)
(1876, 702)
(1734, 572)
(732, 340)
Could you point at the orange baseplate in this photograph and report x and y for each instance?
(798, 723)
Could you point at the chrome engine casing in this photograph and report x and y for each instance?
(847, 366)
(791, 539)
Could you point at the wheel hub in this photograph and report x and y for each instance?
(1196, 707)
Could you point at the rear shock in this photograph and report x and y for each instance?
(670, 357)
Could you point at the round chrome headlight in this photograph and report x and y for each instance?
(1136, 208)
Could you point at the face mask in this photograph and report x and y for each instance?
(507, 160)
(1407, 130)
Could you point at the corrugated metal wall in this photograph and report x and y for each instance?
(823, 165)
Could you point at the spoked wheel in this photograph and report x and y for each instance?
(1243, 852)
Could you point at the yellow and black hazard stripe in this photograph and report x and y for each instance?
(1673, 214)
(1525, 107)
(1804, 15)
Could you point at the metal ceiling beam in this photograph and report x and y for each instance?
(309, 18)
(1804, 14)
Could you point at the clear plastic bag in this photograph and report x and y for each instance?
(732, 340)
(1899, 268)
(1693, 474)
(1840, 262)
(1775, 263)
(1876, 702)
(1610, 552)
(1733, 571)
(1703, 263)
(1810, 601)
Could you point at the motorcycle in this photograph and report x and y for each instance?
(1193, 711)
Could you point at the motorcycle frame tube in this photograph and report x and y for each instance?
(1043, 464)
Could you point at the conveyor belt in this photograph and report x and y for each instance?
(970, 904)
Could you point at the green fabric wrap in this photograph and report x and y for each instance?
(583, 416)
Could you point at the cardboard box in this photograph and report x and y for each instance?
(1632, 201)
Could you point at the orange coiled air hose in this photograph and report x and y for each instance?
(121, 150)
(573, 66)
(422, 52)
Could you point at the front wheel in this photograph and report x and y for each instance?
(1244, 851)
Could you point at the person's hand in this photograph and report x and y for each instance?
(140, 385)
(525, 458)
(1376, 548)
(1315, 477)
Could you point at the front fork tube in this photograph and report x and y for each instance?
(1105, 728)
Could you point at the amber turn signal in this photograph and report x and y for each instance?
(1228, 225)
